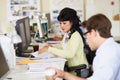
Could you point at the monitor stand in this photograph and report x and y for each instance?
(41, 40)
(28, 51)
(25, 55)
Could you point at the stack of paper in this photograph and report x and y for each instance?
(51, 62)
(43, 55)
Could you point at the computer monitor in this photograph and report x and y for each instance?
(4, 68)
(23, 29)
(27, 30)
(45, 29)
(42, 28)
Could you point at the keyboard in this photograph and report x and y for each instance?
(25, 55)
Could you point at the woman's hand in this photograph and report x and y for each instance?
(44, 49)
(57, 38)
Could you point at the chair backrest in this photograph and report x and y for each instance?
(89, 53)
(82, 70)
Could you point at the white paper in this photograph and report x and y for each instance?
(43, 55)
(51, 62)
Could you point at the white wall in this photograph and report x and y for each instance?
(3, 15)
(92, 7)
(105, 7)
(45, 6)
(3, 10)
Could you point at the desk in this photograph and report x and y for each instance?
(21, 72)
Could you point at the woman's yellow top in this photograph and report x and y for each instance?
(74, 51)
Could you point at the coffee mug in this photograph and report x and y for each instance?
(35, 47)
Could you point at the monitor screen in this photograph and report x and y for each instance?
(27, 30)
(4, 68)
(43, 28)
(23, 29)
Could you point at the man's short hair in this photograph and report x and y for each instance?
(100, 23)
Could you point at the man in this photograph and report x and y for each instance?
(106, 64)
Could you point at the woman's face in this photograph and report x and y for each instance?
(65, 25)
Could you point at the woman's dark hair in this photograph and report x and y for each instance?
(68, 14)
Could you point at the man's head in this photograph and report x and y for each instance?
(97, 30)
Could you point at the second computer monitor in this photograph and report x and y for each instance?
(4, 68)
(23, 29)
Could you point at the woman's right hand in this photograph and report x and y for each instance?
(42, 50)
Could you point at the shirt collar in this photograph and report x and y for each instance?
(109, 40)
(67, 34)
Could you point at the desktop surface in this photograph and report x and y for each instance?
(23, 72)
(20, 73)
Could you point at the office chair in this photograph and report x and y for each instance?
(83, 70)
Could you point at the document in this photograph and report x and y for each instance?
(43, 55)
(51, 62)
(40, 67)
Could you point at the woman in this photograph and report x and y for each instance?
(72, 46)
